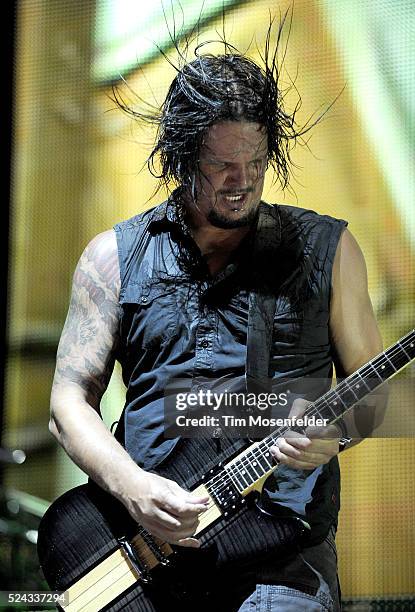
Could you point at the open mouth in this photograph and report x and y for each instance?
(235, 201)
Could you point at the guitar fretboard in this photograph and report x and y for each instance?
(257, 461)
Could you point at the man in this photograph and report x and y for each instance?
(166, 295)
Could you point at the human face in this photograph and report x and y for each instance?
(232, 164)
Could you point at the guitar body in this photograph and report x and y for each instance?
(76, 533)
(90, 548)
(83, 528)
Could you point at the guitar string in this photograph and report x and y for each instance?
(212, 505)
(85, 606)
(244, 472)
(243, 466)
(256, 453)
(123, 560)
(219, 482)
(318, 408)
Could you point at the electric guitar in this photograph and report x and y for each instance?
(91, 549)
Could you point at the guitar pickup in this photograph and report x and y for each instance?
(220, 486)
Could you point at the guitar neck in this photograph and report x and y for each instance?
(255, 463)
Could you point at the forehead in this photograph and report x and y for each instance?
(230, 139)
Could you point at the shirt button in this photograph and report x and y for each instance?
(204, 343)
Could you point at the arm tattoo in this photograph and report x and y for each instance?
(90, 335)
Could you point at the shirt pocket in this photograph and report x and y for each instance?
(150, 314)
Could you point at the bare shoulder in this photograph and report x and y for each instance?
(99, 262)
(349, 261)
(354, 330)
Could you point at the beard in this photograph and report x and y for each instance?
(222, 221)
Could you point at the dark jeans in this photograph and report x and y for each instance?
(308, 582)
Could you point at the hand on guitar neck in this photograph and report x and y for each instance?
(306, 451)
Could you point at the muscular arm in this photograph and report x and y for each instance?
(84, 365)
(355, 334)
(356, 339)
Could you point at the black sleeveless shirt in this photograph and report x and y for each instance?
(177, 326)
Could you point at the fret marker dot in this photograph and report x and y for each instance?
(243, 472)
(412, 345)
(334, 403)
(357, 386)
(254, 463)
(383, 367)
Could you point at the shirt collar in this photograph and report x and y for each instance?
(167, 213)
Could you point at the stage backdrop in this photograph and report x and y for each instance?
(79, 167)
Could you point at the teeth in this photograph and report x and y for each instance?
(236, 198)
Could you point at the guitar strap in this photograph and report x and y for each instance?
(262, 301)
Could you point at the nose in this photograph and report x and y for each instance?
(239, 176)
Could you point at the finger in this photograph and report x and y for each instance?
(329, 446)
(172, 536)
(179, 534)
(286, 449)
(298, 407)
(199, 499)
(329, 432)
(180, 507)
(295, 463)
(186, 511)
(187, 524)
(294, 437)
(189, 543)
(301, 460)
(196, 503)
(290, 442)
(166, 520)
(188, 496)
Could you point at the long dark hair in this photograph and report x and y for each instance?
(213, 88)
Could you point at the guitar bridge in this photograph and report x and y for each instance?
(134, 560)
